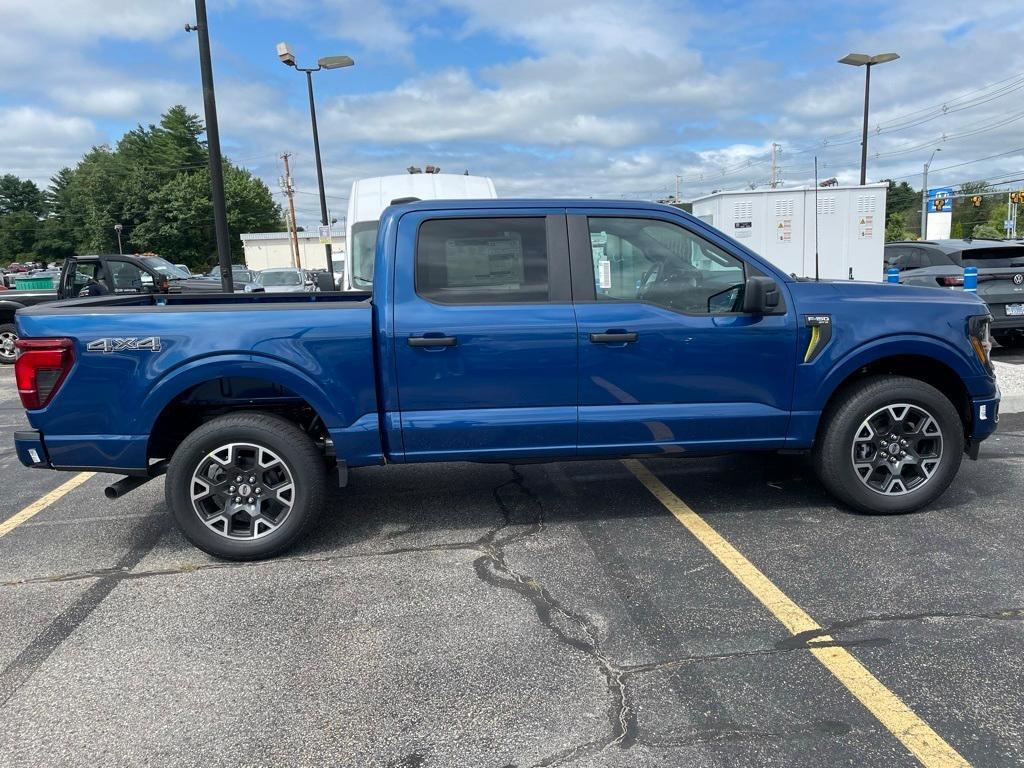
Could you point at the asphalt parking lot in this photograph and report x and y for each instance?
(492, 615)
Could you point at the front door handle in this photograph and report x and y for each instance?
(614, 337)
(433, 341)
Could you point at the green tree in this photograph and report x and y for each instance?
(154, 182)
(17, 236)
(17, 195)
(987, 231)
(250, 206)
(894, 229)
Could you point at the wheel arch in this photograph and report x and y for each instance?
(930, 361)
(195, 393)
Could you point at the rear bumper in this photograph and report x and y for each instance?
(30, 449)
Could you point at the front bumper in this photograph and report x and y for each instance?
(30, 449)
(984, 418)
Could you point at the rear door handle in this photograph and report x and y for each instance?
(623, 337)
(433, 341)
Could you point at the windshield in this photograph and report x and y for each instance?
(981, 258)
(364, 243)
(285, 277)
(164, 267)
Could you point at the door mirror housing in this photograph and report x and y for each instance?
(760, 296)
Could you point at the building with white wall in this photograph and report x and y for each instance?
(781, 224)
(265, 250)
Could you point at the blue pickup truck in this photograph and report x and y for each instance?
(506, 330)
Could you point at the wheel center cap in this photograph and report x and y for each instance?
(893, 449)
(244, 489)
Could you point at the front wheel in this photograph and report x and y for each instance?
(889, 444)
(245, 486)
(8, 335)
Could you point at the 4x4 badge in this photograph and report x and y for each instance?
(147, 344)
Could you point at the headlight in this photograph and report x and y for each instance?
(979, 329)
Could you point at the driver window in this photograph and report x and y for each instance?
(127, 278)
(661, 263)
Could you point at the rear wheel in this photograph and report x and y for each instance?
(889, 444)
(246, 486)
(8, 335)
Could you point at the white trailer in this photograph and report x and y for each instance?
(369, 198)
(780, 224)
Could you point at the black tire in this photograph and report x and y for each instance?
(8, 335)
(841, 428)
(294, 451)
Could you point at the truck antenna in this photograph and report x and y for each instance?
(816, 276)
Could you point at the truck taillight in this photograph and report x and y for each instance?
(41, 368)
(950, 281)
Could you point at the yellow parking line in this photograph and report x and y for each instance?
(916, 735)
(39, 505)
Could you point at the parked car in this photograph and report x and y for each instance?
(184, 269)
(286, 280)
(1000, 265)
(507, 330)
(111, 274)
(239, 275)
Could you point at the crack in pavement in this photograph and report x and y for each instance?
(803, 640)
(571, 627)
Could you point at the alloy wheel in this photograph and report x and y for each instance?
(242, 491)
(897, 449)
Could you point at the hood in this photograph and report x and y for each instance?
(898, 293)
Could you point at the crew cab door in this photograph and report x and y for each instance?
(484, 335)
(667, 360)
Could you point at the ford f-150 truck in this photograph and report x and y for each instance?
(504, 331)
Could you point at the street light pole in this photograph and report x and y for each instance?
(220, 216)
(319, 170)
(864, 131)
(924, 195)
(863, 60)
(285, 54)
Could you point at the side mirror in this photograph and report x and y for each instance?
(760, 296)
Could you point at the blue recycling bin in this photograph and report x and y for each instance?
(971, 279)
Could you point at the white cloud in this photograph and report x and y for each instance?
(36, 143)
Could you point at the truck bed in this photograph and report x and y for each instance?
(199, 301)
(142, 358)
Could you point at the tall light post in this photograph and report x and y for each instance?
(924, 195)
(220, 216)
(118, 228)
(287, 57)
(863, 60)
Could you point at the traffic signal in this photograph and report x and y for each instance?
(1017, 197)
(976, 201)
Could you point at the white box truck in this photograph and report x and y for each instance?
(369, 198)
(779, 224)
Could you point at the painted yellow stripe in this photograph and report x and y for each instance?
(916, 735)
(39, 505)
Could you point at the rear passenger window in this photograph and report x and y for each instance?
(483, 261)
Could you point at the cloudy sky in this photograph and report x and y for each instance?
(603, 98)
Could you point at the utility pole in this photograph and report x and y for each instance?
(924, 195)
(289, 190)
(678, 180)
(220, 215)
(775, 166)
